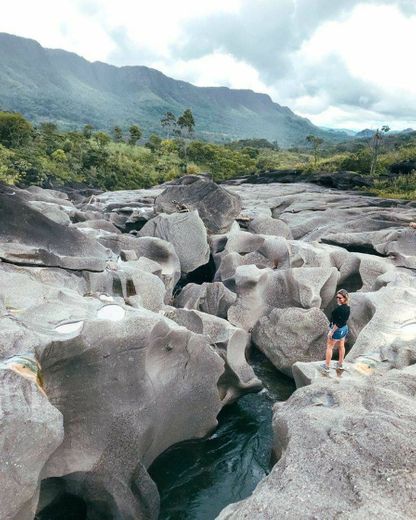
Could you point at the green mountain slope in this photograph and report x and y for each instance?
(45, 84)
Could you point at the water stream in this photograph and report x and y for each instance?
(197, 479)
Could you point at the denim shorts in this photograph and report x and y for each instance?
(340, 333)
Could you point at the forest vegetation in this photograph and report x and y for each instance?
(48, 156)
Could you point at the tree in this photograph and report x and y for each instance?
(186, 122)
(117, 134)
(87, 131)
(48, 137)
(135, 134)
(59, 156)
(102, 138)
(48, 128)
(316, 143)
(8, 174)
(14, 129)
(154, 143)
(375, 144)
(169, 123)
(67, 145)
(186, 125)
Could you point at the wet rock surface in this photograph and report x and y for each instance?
(128, 318)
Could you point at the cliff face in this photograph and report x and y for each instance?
(47, 84)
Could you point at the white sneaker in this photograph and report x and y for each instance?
(325, 368)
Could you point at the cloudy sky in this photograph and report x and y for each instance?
(341, 63)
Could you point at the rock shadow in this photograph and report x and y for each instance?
(204, 273)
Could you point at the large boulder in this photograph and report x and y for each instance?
(212, 298)
(186, 232)
(384, 322)
(403, 167)
(307, 373)
(31, 430)
(151, 248)
(54, 212)
(266, 225)
(29, 237)
(238, 247)
(16, 337)
(397, 244)
(259, 291)
(356, 435)
(216, 206)
(231, 343)
(137, 286)
(287, 336)
(129, 386)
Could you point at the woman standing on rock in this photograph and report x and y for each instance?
(338, 330)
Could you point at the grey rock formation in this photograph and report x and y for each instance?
(265, 225)
(362, 366)
(343, 180)
(186, 232)
(341, 434)
(292, 335)
(54, 212)
(397, 244)
(261, 290)
(243, 248)
(312, 212)
(231, 343)
(127, 210)
(385, 322)
(29, 237)
(216, 206)
(132, 375)
(151, 248)
(36, 193)
(212, 298)
(330, 430)
(134, 383)
(98, 225)
(31, 430)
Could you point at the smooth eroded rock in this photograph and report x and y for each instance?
(216, 206)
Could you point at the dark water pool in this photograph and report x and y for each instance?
(197, 479)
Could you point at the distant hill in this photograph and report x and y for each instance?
(55, 85)
(366, 133)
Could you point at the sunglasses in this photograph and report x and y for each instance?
(340, 297)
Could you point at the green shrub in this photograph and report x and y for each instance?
(15, 131)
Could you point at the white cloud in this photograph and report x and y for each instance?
(343, 63)
(376, 45)
(57, 25)
(216, 69)
(91, 27)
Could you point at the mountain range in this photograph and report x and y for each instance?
(60, 86)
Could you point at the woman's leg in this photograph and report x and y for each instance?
(329, 346)
(341, 352)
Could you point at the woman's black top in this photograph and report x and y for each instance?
(340, 315)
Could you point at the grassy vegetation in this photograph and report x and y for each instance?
(49, 157)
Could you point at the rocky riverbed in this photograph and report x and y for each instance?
(126, 322)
